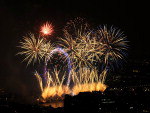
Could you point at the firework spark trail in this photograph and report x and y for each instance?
(85, 80)
(54, 87)
(39, 79)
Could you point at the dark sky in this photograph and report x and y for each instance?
(17, 18)
(21, 17)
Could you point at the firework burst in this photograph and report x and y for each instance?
(79, 43)
(34, 49)
(46, 29)
(76, 28)
(114, 45)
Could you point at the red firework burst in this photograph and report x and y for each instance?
(46, 29)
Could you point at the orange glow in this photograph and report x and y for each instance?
(47, 29)
(60, 91)
(55, 91)
(85, 80)
(89, 87)
(54, 104)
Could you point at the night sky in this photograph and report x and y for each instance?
(17, 18)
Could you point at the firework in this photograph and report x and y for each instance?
(82, 48)
(34, 48)
(39, 79)
(114, 45)
(85, 80)
(54, 85)
(67, 58)
(76, 28)
(46, 48)
(89, 87)
(46, 29)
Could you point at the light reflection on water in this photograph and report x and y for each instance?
(56, 104)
